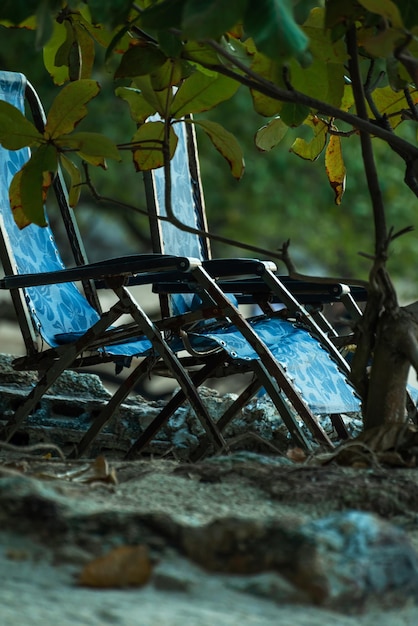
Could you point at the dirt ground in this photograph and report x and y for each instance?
(40, 571)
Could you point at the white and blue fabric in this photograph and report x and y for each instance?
(308, 365)
(59, 312)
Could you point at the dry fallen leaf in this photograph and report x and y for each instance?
(124, 566)
(296, 454)
(98, 470)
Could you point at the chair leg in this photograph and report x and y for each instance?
(268, 369)
(274, 391)
(112, 405)
(64, 362)
(248, 393)
(163, 350)
(172, 405)
(340, 427)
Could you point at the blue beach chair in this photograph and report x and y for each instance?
(286, 360)
(310, 375)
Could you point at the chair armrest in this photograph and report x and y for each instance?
(220, 268)
(150, 266)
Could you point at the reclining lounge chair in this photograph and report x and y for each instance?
(313, 374)
(46, 298)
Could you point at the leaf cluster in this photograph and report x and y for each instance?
(178, 58)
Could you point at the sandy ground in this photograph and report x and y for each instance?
(39, 576)
(39, 581)
(38, 594)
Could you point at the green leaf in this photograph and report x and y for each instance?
(341, 13)
(170, 73)
(226, 143)
(310, 150)
(86, 46)
(158, 100)
(335, 168)
(302, 8)
(321, 44)
(170, 44)
(385, 8)
(409, 12)
(30, 185)
(394, 73)
(139, 106)
(200, 53)
(294, 114)
(348, 98)
(59, 73)
(16, 11)
(383, 43)
(97, 161)
(270, 135)
(322, 80)
(163, 15)
(92, 144)
(140, 60)
(272, 71)
(274, 30)
(201, 92)
(118, 41)
(69, 107)
(63, 52)
(75, 180)
(15, 130)
(204, 19)
(148, 153)
(110, 13)
(45, 21)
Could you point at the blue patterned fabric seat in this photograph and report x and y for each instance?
(58, 310)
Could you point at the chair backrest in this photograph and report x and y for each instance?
(54, 309)
(188, 207)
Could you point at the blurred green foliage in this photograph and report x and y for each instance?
(280, 196)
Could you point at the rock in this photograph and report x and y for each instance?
(269, 585)
(343, 562)
(349, 559)
(242, 546)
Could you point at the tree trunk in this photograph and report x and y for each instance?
(395, 350)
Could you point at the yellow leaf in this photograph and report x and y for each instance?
(335, 168)
(392, 103)
(30, 186)
(310, 150)
(383, 43)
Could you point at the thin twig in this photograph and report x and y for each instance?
(37, 447)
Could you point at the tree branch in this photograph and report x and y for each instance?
(255, 81)
(381, 236)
